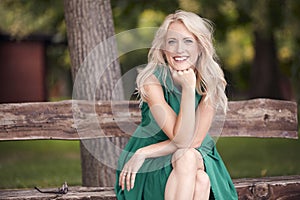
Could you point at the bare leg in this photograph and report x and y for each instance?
(202, 187)
(171, 186)
(182, 180)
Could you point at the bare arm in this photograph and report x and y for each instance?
(179, 129)
(158, 149)
(204, 117)
(185, 122)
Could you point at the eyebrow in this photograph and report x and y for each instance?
(189, 38)
(172, 38)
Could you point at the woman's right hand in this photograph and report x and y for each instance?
(186, 78)
(130, 169)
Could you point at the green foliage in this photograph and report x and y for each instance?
(265, 15)
(235, 22)
(21, 18)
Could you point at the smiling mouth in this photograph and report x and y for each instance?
(180, 58)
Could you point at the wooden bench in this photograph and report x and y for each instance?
(263, 118)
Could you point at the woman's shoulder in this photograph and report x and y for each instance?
(152, 86)
(155, 84)
(156, 78)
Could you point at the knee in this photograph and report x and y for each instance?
(186, 160)
(203, 179)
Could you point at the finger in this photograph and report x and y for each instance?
(123, 180)
(180, 72)
(191, 70)
(188, 70)
(174, 74)
(132, 180)
(128, 179)
(121, 177)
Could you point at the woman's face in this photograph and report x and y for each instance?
(181, 47)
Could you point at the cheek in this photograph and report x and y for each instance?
(194, 52)
(195, 57)
(168, 56)
(170, 49)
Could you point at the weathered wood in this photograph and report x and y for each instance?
(84, 193)
(283, 187)
(272, 188)
(55, 120)
(262, 118)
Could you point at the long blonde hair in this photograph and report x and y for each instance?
(210, 77)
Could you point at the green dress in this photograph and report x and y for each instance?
(153, 175)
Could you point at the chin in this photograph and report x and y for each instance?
(181, 68)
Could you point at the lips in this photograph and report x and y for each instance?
(180, 58)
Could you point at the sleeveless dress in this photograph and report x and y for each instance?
(152, 177)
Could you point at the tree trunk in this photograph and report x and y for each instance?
(264, 72)
(95, 72)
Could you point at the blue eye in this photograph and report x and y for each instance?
(171, 42)
(188, 41)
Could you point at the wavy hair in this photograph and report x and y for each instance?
(210, 77)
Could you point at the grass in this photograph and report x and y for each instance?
(253, 157)
(25, 164)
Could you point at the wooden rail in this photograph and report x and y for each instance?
(273, 188)
(73, 120)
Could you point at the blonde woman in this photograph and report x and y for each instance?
(170, 155)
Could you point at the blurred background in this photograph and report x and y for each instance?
(258, 44)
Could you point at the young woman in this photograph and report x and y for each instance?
(170, 155)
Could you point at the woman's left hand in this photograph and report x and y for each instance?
(185, 78)
(129, 171)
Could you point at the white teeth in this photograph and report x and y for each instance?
(180, 58)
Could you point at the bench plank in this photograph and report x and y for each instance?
(282, 187)
(73, 120)
(84, 193)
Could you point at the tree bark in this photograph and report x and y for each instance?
(95, 72)
(265, 76)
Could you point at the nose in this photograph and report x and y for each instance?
(180, 47)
